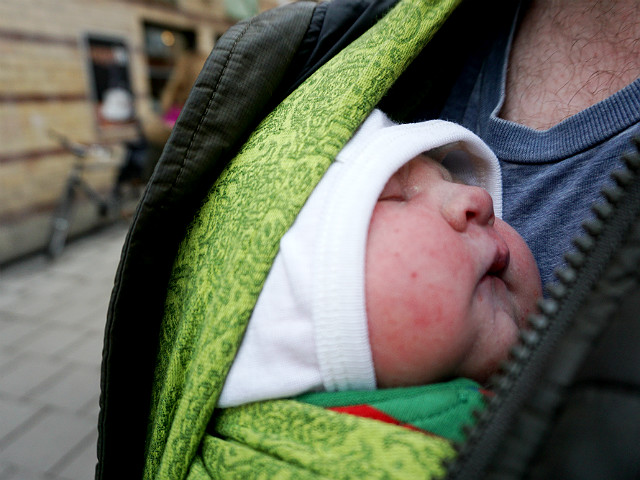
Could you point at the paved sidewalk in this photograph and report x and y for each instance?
(52, 319)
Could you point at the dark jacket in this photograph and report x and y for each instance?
(253, 66)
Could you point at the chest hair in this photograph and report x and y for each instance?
(568, 55)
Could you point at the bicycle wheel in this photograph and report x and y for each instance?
(60, 225)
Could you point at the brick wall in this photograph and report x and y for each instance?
(45, 82)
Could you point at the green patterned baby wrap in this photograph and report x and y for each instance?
(223, 263)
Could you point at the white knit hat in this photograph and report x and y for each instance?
(308, 331)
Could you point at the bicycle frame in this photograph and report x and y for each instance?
(61, 221)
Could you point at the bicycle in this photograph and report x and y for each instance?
(109, 205)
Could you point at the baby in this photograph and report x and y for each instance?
(395, 273)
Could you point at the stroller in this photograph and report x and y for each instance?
(564, 407)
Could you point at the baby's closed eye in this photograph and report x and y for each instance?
(393, 191)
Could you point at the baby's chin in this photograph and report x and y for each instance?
(494, 349)
(508, 305)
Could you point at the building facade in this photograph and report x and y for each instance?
(89, 71)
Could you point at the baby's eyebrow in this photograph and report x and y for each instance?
(446, 174)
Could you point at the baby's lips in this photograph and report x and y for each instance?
(501, 258)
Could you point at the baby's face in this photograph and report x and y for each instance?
(448, 285)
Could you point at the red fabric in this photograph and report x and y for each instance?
(486, 393)
(367, 411)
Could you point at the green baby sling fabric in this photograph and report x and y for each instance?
(221, 267)
(441, 409)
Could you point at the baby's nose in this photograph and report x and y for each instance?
(468, 205)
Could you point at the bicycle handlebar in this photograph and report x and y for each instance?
(78, 149)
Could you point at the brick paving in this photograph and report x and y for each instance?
(52, 317)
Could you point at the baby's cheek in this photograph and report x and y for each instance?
(526, 279)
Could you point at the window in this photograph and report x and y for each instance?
(108, 61)
(163, 45)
